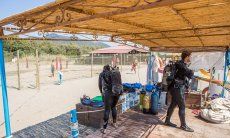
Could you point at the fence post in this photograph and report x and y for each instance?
(4, 91)
(121, 61)
(27, 63)
(102, 59)
(67, 63)
(18, 70)
(37, 71)
(92, 64)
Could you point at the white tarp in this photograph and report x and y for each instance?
(206, 60)
(219, 112)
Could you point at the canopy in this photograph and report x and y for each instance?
(162, 25)
(119, 50)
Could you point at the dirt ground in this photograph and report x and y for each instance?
(202, 128)
(30, 106)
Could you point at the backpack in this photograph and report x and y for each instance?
(168, 75)
(117, 88)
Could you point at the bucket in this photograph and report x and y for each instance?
(162, 99)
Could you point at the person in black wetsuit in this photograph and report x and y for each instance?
(110, 100)
(177, 90)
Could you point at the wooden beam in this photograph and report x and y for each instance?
(174, 49)
(107, 14)
(43, 9)
(102, 6)
(126, 39)
(121, 33)
(187, 22)
(109, 18)
(178, 30)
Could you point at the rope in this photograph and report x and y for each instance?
(90, 111)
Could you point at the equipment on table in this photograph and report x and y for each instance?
(95, 102)
(137, 85)
(128, 87)
(97, 99)
(154, 102)
(86, 100)
(146, 103)
(142, 94)
(150, 88)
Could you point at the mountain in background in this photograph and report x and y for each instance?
(78, 43)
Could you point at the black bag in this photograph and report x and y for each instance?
(117, 87)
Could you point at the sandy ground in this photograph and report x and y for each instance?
(30, 106)
(203, 129)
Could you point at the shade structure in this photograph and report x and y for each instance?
(120, 50)
(162, 25)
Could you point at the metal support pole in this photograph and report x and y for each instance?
(18, 70)
(225, 69)
(91, 64)
(37, 71)
(4, 92)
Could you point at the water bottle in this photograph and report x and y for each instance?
(74, 124)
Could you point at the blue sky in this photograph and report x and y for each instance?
(11, 7)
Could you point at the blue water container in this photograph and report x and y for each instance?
(154, 102)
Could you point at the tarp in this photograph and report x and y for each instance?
(219, 111)
(207, 60)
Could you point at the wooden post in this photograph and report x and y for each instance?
(18, 70)
(27, 63)
(124, 58)
(67, 63)
(121, 62)
(92, 64)
(102, 59)
(37, 71)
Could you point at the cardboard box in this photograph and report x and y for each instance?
(193, 100)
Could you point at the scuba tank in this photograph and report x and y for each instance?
(142, 94)
(146, 103)
(154, 102)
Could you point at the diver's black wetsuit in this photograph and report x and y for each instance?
(105, 86)
(177, 90)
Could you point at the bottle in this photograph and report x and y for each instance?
(74, 124)
(142, 94)
(146, 103)
(154, 102)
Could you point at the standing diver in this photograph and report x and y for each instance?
(177, 89)
(107, 79)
